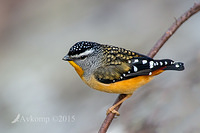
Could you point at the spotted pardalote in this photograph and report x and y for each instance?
(115, 70)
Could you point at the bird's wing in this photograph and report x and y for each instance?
(126, 69)
(121, 64)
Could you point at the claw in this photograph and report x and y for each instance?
(112, 110)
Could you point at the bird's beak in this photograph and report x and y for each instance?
(67, 58)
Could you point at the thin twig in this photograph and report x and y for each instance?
(178, 22)
(105, 125)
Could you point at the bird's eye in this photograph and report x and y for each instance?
(82, 57)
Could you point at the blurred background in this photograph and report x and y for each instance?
(39, 92)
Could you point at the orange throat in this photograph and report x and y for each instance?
(78, 69)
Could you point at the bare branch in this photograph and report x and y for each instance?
(178, 22)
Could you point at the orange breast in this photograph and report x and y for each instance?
(120, 87)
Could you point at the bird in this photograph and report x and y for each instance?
(113, 69)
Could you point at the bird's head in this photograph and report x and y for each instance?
(84, 54)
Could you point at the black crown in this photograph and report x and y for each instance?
(81, 47)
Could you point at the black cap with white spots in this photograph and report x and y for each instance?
(81, 47)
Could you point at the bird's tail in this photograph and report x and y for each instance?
(171, 65)
(178, 66)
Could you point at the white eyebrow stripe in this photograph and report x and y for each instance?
(87, 52)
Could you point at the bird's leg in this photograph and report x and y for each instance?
(112, 109)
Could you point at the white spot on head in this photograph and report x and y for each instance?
(150, 73)
(161, 63)
(136, 60)
(129, 61)
(165, 62)
(129, 71)
(135, 68)
(113, 80)
(177, 65)
(144, 61)
(156, 63)
(124, 74)
(121, 77)
(151, 64)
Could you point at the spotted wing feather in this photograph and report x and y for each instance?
(121, 64)
(117, 64)
(145, 66)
